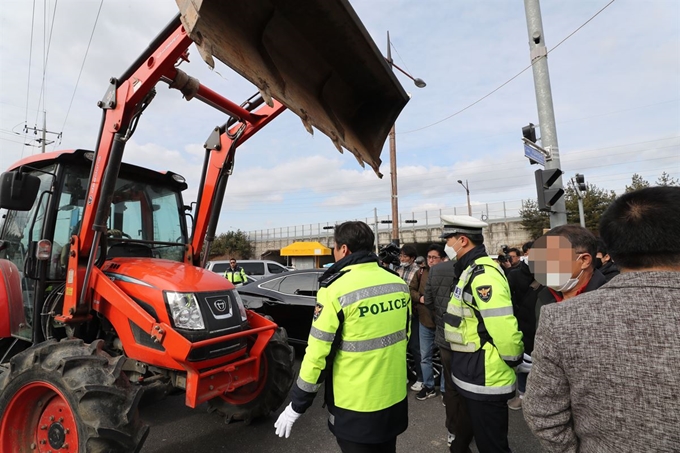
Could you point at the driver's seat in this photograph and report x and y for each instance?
(128, 250)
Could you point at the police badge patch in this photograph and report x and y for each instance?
(317, 310)
(484, 293)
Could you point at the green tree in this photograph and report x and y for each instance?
(667, 180)
(533, 220)
(595, 202)
(637, 182)
(232, 244)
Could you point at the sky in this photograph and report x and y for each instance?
(615, 86)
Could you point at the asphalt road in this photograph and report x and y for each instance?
(176, 428)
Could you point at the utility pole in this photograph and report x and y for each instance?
(43, 133)
(393, 147)
(546, 113)
(375, 229)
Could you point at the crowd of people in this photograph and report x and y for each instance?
(580, 332)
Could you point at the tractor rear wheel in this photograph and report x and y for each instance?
(68, 395)
(260, 398)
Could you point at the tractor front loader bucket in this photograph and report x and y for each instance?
(313, 56)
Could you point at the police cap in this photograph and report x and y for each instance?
(460, 224)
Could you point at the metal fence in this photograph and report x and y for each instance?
(497, 211)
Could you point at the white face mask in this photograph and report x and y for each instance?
(404, 264)
(562, 282)
(451, 252)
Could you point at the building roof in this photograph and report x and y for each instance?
(305, 249)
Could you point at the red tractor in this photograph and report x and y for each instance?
(103, 294)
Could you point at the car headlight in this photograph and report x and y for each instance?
(241, 307)
(185, 311)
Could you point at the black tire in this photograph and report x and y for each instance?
(279, 357)
(101, 400)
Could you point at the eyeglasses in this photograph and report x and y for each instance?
(433, 257)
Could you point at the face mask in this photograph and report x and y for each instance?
(598, 263)
(404, 264)
(451, 252)
(562, 282)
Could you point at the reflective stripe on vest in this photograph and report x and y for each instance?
(482, 389)
(502, 311)
(372, 291)
(321, 335)
(307, 387)
(375, 343)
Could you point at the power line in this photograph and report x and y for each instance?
(46, 53)
(28, 83)
(82, 65)
(511, 79)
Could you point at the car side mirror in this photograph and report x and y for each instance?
(18, 190)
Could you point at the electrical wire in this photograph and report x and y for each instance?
(28, 84)
(46, 54)
(82, 66)
(509, 80)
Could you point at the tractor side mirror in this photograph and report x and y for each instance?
(18, 190)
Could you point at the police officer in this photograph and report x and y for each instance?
(235, 274)
(357, 344)
(482, 330)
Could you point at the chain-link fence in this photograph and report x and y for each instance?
(489, 212)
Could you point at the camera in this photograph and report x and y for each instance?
(389, 254)
(505, 257)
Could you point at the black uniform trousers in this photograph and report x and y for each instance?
(490, 425)
(457, 418)
(353, 447)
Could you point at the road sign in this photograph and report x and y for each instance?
(534, 155)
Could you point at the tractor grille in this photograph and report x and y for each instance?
(222, 317)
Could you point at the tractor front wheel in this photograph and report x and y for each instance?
(68, 396)
(260, 398)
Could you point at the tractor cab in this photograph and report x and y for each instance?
(147, 220)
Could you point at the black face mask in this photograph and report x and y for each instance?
(598, 263)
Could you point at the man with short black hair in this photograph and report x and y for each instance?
(480, 327)
(562, 260)
(604, 374)
(408, 270)
(357, 346)
(514, 256)
(235, 273)
(604, 262)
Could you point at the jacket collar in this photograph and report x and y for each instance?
(360, 257)
(467, 259)
(637, 279)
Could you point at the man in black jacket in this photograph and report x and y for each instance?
(604, 262)
(437, 295)
(563, 260)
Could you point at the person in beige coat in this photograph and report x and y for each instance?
(606, 364)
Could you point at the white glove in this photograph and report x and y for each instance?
(525, 366)
(285, 422)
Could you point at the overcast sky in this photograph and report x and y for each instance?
(615, 85)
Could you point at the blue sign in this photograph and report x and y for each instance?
(534, 155)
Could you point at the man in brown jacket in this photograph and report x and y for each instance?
(605, 373)
(426, 329)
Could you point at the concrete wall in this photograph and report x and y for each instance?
(499, 232)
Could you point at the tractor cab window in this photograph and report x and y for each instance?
(19, 229)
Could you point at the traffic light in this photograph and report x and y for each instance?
(529, 132)
(581, 182)
(547, 196)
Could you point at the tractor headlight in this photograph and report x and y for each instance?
(185, 311)
(241, 307)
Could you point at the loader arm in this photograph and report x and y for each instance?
(311, 56)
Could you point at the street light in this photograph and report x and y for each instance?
(393, 148)
(467, 190)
